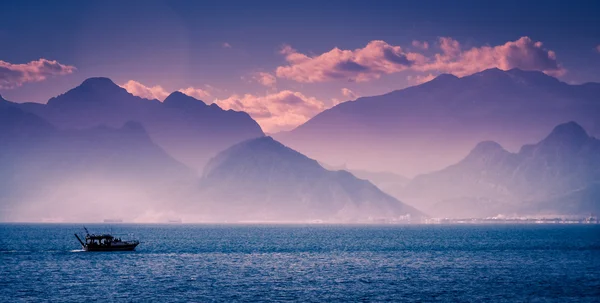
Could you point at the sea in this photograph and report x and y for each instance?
(304, 263)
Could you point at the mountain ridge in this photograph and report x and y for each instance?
(453, 114)
(189, 129)
(562, 163)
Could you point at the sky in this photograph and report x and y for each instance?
(281, 61)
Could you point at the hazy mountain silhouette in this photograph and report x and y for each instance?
(558, 175)
(388, 182)
(429, 126)
(81, 174)
(187, 128)
(263, 180)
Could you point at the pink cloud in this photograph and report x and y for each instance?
(598, 48)
(449, 46)
(275, 112)
(137, 89)
(226, 45)
(375, 59)
(378, 58)
(420, 44)
(14, 75)
(265, 79)
(523, 53)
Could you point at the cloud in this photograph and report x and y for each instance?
(349, 93)
(375, 59)
(275, 112)
(137, 89)
(420, 44)
(265, 79)
(378, 58)
(226, 45)
(158, 92)
(14, 75)
(598, 48)
(449, 46)
(195, 92)
(523, 53)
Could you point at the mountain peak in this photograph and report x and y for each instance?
(487, 147)
(181, 100)
(514, 78)
(486, 151)
(134, 126)
(98, 83)
(95, 86)
(261, 151)
(177, 94)
(490, 72)
(568, 132)
(445, 78)
(260, 144)
(93, 90)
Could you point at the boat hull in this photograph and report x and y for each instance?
(126, 247)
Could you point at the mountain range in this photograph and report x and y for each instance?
(98, 151)
(429, 126)
(96, 172)
(188, 129)
(46, 172)
(558, 175)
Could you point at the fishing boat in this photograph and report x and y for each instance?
(105, 242)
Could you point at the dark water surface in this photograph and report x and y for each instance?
(203, 263)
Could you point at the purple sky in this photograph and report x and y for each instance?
(285, 62)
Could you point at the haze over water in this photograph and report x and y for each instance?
(334, 263)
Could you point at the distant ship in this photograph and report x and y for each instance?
(105, 242)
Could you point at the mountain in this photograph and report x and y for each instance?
(388, 182)
(430, 126)
(81, 175)
(263, 180)
(558, 175)
(187, 128)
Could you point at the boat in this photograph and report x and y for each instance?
(105, 242)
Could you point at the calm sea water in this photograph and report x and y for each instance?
(203, 263)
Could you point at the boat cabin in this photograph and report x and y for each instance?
(101, 240)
